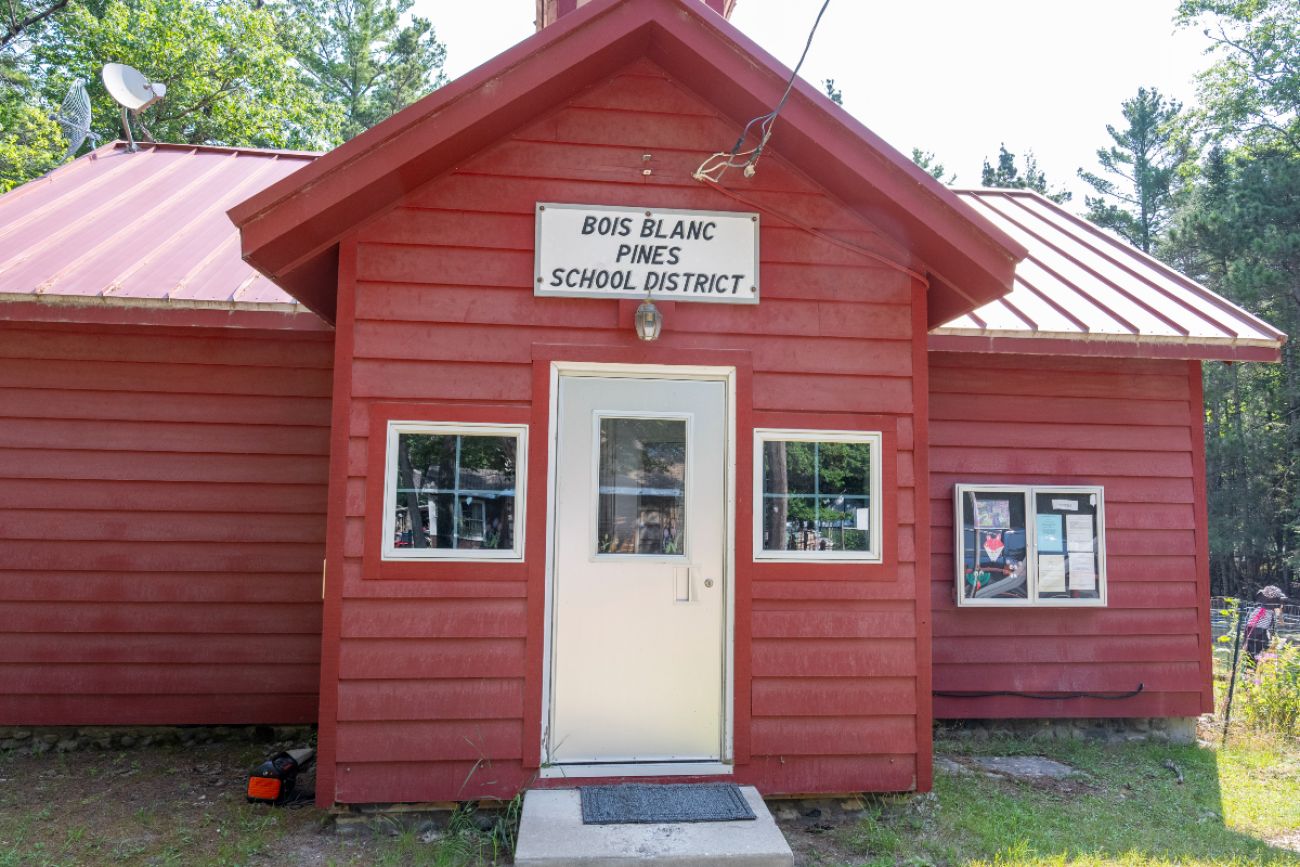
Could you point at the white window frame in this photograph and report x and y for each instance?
(454, 555)
(875, 440)
(1030, 494)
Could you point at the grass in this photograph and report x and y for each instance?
(1126, 808)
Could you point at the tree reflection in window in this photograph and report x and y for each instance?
(816, 496)
(455, 491)
(642, 486)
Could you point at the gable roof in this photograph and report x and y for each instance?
(1082, 291)
(290, 231)
(144, 230)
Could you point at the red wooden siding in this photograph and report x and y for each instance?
(162, 493)
(438, 675)
(1127, 424)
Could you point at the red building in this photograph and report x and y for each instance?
(880, 420)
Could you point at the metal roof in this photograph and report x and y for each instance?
(1081, 285)
(147, 228)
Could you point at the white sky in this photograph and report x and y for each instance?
(955, 77)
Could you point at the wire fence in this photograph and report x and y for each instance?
(1222, 620)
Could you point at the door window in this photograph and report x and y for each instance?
(641, 486)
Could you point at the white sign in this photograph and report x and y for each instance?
(595, 251)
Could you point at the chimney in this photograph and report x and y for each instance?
(550, 11)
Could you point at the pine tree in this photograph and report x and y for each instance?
(1007, 175)
(927, 161)
(1143, 163)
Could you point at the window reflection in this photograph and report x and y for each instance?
(816, 496)
(454, 491)
(642, 486)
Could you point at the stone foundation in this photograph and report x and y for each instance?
(1178, 730)
(68, 739)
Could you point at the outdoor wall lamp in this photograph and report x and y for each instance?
(649, 321)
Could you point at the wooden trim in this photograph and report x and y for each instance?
(176, 314)
(1196, 408)
(921, 528)
(830, 570)
(336, 527)
(374, 566)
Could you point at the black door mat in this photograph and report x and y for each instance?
(644, 804)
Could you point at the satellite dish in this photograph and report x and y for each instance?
(74, 118)
(130, 88)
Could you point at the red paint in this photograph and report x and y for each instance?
(1133, 426)
(293, 225)
(161, 492)
(445, 327)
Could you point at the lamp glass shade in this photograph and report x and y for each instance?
(649, 321)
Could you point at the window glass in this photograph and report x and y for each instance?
(453, 491)
(816, 496)
(1069, 550)
(995, 545)
(641, 493)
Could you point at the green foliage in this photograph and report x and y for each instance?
(1269, 696)
(836, 95)
(229, 78)
(1252, 91)
(1140, 170)
(1007, 175)
(31, 143)
(927, 161)
(363, 56)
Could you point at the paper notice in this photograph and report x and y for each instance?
(862, 519)
(1051, 534)
(1078, 532)
(1051, 573)
(1065, 505)
(1083, 572)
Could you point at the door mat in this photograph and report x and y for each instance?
(643, 804)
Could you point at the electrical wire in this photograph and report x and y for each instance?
(1041, 696)
(713, 168)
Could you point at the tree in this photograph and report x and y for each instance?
(19, 18)
(836, 95)
(30, 141)
(1007, 175)
(1144, 160)
(363, 58)
(927, 161)
(229, 78)
(1253, 89)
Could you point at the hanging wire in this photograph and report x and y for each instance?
(713, 168)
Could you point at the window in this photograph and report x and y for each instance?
(817, 495)
(1030, 545)
(641, 493)
(454, 491)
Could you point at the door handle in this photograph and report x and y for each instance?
(682, 576)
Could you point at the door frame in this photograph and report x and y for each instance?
(706, 373)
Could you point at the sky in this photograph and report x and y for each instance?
(955, 77)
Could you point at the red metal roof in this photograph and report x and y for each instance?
(1081, 290)
(147, 228)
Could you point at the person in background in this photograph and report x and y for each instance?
(1263, 620)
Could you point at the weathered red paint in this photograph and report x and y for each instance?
(161, 492)
(1133, 426)
(445, 326)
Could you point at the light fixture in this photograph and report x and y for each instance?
(649, 321)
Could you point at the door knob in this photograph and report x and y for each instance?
(708, 582)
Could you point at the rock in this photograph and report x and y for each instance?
(67, 746)
(126, 741)
(787, 814)
(945, 765)
(1025, 767)
(20, 734)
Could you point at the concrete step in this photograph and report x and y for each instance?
(551, 833)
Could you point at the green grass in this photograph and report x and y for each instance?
(1126, 809)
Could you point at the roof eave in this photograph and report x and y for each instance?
(295, 224)
(1104, 345)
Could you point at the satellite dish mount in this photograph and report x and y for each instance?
(134, 93)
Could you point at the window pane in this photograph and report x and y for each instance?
(1069, 551)
(995, 545)
(642, 486)
(455, 491)
(816, 496)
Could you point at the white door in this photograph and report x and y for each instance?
(639, 570)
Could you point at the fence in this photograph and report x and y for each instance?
(1221, 623)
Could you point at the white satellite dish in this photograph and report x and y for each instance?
(128, 86)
